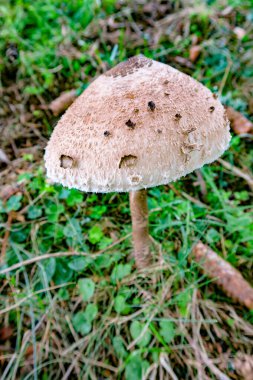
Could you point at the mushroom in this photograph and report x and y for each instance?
(101, 144)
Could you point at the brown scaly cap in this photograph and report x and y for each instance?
(141, 124)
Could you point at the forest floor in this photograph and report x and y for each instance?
(94, 316)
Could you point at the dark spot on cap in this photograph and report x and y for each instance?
(189, 130)
(215, 96)
(187, 148)
(130, 124)
(66, 162)
(159, 131)
(166, 81)
(130, 95)
(106, 133)
(136, 110)
(166, 93)
(211, 109)
(136, 179)
(127, 161)
(151, 105)
(178, 116)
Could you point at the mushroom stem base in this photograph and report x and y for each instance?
(139, 214)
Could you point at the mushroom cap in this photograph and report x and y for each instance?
(139, 125)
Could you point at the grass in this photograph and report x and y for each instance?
(93, 316)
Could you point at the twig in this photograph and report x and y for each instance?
(35, 200)
(151, 372)
(72, 365)
(61, 103)
(225, 76)
(238, 172)
(41, 258)
(96, 363)
(6, 236)
(9, 366)
(166, 365)
(12, 307)
(59, 254)
(220, 375)
(223, 274)
(195, 332)
(201, 182)
(187, 196)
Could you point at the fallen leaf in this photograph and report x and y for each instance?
(223, 274)
(6, 333)
(239, 123)
(61, 103)
(19, 217)
(29, 350)
(194, 53)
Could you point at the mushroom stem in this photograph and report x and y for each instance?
(139, 213)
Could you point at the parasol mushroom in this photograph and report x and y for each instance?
(140, 124)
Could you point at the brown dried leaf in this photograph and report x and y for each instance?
(224, 275)
(239, 123)
(194, 53)
(6, 333)
(29, 351)
(18, 216)
(61, 103)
